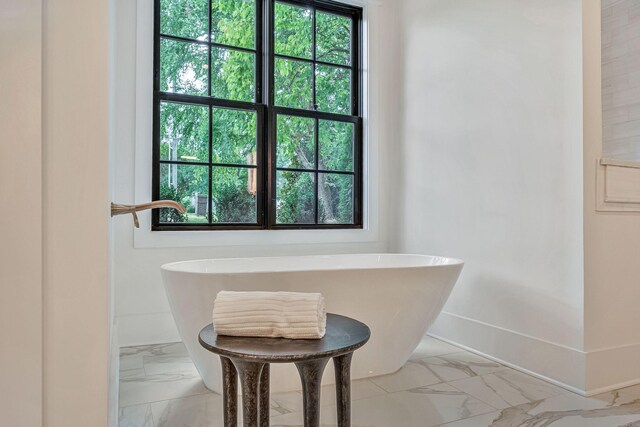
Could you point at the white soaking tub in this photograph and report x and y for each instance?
(398, 296)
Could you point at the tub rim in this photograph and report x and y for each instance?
(447, 262)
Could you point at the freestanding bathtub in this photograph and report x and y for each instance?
(398, 296)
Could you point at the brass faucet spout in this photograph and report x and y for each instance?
(117, 209)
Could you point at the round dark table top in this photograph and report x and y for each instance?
(343, 335)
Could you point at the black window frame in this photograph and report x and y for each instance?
(266, 112)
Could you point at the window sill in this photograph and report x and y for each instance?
(145, 238)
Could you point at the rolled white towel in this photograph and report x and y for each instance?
(270, 314)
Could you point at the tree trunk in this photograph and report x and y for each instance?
(324, 199)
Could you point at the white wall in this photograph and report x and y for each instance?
(21, 217)
(492, 161)
(612, 247)
(142, 310)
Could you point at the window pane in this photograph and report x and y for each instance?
(293, 84)
(233, 22)
(293, 27)
(333, 38)
(234, 136)
(186, 184)
(335, 149)
(333, 89)
(335, 198)
(232, 74)
(183, 67)
(234, 195)
(295, 198)
(184, 18)
(184, 132)
(296, 142)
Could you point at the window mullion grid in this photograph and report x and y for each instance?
(257, 46)
(355, 66)
(183, 163)
(313, 59)
(317, 165)
(209, 72)
(207, 42)
(315, 121)
(356, 110)
(210, 195)
(264, 98)
(155, 155)
(358, 174)
(269, 31)
(215, 164)
(335, 172)
(261, 25)
(271, 165)
(271, 115)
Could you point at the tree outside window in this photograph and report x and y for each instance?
(256, 121)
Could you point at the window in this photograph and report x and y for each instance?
(257, 114)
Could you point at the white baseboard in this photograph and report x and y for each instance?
(613, 368)
(114, 377)
(586, 373)
(145, 329)
(557, 364)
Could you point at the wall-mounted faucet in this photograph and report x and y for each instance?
(132, 209)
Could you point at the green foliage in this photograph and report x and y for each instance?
(184, 18)
(169, 192)
(183, 67)
(181, 183)
(296, 142)
(336, 205)
(234, 136)
(232, 200)
(293, 84)
(232, 74)
(187, 127)
(233, 22)
(293, 31)
(335, 141)
(191, 133)
(295, 198)
(333, 38)
(333, 92)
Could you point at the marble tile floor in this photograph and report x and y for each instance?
(441, 385)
